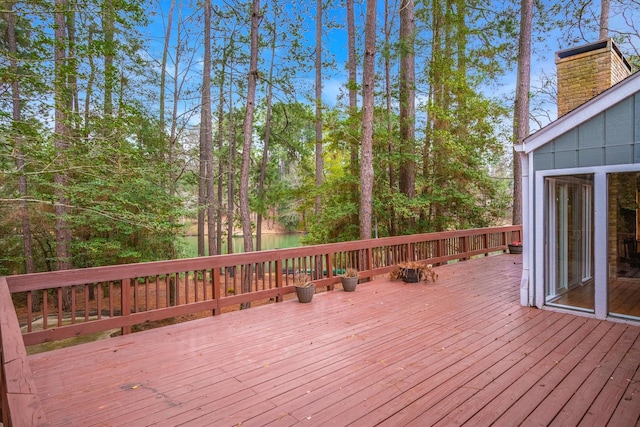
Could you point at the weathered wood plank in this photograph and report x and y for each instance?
(18, 387)
(460, 350)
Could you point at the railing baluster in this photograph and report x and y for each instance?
(60, 306)
(186, 287)
(86, 303)
(125, 304)
(323, 263)
(99, 300)
(29, 312)
(73, 307)
(157, 291)
(45, 308)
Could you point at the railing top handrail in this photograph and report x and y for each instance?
(33, 281)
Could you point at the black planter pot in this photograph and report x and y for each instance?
(515, 249)
(410, 275)
(349, 284)
(305, 293)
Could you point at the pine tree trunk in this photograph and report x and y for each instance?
(521, 107)
(605, 5)
(206, 133)
(220, 139)
(407, 98)
(246, 146)
(267, 138)
(231, 168)
(353, 83)
(61, 144)
(390, 146)
(318, 121)
(366, 158)
(19, 156)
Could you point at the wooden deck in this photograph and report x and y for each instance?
(459, 351)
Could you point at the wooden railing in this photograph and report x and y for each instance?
(77, 302)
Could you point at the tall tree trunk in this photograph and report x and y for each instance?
(72, 75)
(163, 94)
(246, 146)
(387, 89)
(202, 173)
(108, 30)
(353, 76)
(163, 65)
(318, 121)
(521, 107)
(267, 138)
(206, 133)
(231, 165)
(90, 80)
(220, 139)
(19, 156)
(407, 98)
(61, 143)
(202, 196)
(605, 5)
(366, 158)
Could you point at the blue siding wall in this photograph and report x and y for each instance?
(610, 138)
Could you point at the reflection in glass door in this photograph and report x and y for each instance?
(623, 252)
(569, 249)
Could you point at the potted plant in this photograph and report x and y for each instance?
(304, 287)
(349, 279)
(515, 247)
(413, 272)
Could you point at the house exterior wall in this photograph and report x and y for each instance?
(610, 138)
(607, 143)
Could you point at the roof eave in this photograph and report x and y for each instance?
(586, 111)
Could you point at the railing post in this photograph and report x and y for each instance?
(370, 262)
(485, 243)
(215, 284)
(279, 273)
(465, 247)
(125, 304)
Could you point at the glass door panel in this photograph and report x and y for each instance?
(623, 290)
(569, 239)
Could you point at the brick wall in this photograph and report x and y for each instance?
(587, 71)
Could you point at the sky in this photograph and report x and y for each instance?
(334, 40)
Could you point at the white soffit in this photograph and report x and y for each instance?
(589, 109)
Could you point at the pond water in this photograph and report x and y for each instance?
(269, 241)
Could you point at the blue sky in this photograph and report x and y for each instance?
(335, 42)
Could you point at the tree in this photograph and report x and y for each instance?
(353, 83)
(206, 139)
(407, 98)
(319, 161)
(521, 106)
(62, 134)
(267, 134)
(16, 116)
(605, 6)
(246, 145)
(366, 157)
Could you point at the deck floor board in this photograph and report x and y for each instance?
(458, 351)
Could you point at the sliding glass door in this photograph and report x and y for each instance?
(569, 241)
(623, 254)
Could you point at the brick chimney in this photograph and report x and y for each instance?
(588, 70)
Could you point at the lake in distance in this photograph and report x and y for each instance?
(269, 241)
